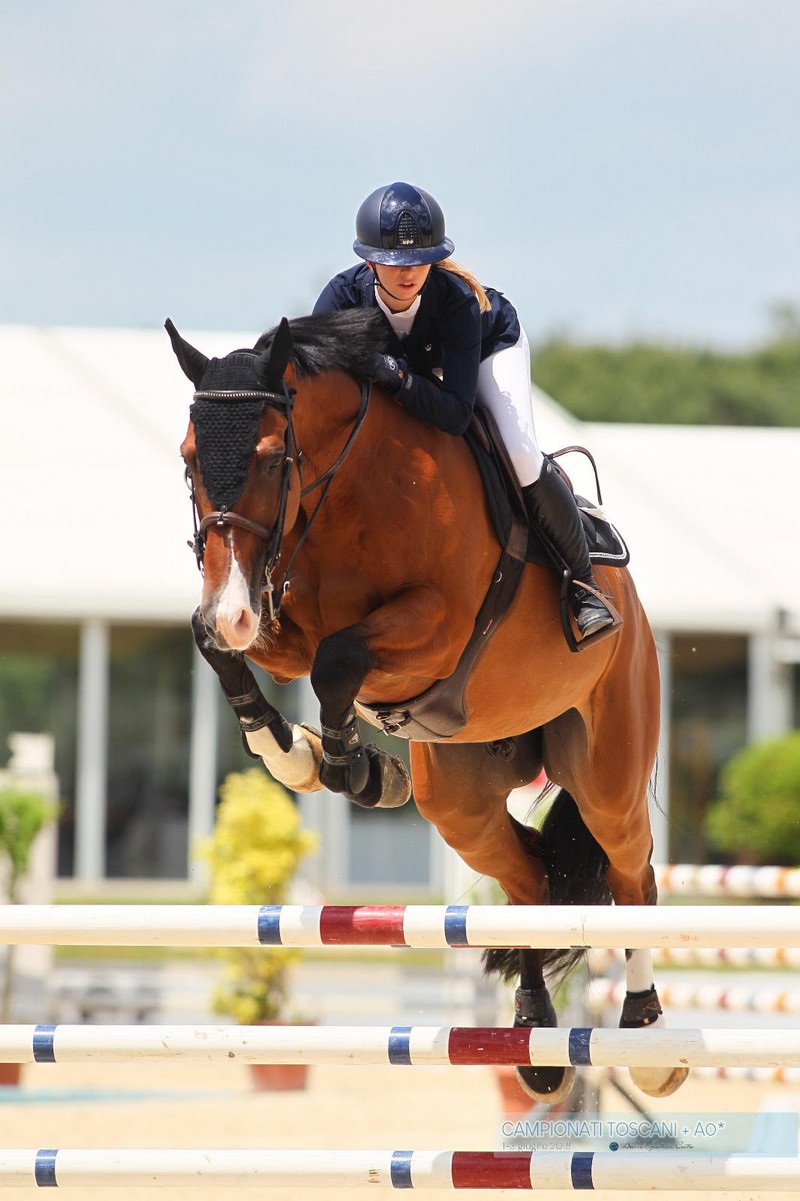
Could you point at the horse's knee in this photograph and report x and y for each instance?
(340, 665)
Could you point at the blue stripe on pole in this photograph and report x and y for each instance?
(45, 1169)
(43, 1044)
(269, 926)
(455, 925)
(581, 1170)
(401, 1169)
(580, 1050)
(400, 1045)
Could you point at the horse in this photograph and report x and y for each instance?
(342, 539)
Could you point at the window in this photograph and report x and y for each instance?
(38, 695)
(150, 679)
(709, 724)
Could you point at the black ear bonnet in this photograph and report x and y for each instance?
(226, 428)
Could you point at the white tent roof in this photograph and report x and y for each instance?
(96, 513)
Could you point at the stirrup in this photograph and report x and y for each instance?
(590, 612)
(566, 608)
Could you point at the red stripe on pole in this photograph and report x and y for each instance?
(362, 925)
(472, 1046)
(487, 1169)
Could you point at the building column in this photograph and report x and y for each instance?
(659, 817)
(202, 761)
(769, 687)
(92, 752)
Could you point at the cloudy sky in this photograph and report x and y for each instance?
(620, 168)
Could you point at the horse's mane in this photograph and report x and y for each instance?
(344, 340)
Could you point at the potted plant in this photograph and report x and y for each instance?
(23, 815)
(253, 855)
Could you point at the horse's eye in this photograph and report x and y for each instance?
(272, 462)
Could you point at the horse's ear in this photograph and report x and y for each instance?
(277, 357)
(193, 362)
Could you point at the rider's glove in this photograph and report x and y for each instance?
(390, 373)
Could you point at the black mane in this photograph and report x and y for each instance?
(344, 340)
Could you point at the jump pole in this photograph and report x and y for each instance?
(400, 1169)
(420, 926)
(403, 1046)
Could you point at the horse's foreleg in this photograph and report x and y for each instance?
(404, 644)
(364, 774)
(291, 753)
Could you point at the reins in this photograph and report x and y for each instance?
(273, 535)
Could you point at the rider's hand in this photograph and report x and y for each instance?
(390, 373)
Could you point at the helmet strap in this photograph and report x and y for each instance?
(380, 284)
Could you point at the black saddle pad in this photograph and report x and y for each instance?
(606, 544)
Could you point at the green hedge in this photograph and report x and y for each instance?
(756, 816)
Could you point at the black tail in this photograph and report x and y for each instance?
(576, 866)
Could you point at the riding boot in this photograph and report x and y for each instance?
(551, 506)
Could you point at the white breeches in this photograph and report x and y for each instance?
(504, 388)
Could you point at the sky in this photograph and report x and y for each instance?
(621, 169)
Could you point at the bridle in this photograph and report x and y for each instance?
(272, 535)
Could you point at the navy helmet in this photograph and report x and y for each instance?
(401, 226)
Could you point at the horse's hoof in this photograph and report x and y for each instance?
(389, 784)
(641, 1011)
(297, 768)
(658, 1082)
(395, 782)
(548, 1086)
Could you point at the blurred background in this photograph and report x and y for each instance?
(627, 173)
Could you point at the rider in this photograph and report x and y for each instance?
(457, 343)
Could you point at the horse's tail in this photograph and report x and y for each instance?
(576, 865)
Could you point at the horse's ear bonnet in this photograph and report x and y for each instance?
(193, 363)
(227, 409)
(276, 357)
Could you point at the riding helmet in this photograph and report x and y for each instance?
(401, 226)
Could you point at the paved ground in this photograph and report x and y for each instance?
(212, 1106)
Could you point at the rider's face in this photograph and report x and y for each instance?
(400, 286)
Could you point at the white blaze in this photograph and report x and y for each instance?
(236, 621)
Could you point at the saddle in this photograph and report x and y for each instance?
(440, 712)
(504, 497)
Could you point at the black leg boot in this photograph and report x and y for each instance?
(551, 506)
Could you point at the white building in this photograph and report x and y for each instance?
(98, 587)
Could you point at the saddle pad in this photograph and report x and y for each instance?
(606, 545)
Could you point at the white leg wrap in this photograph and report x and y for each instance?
(296, 769)
(639, 970)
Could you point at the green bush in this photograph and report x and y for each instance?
(756, 816)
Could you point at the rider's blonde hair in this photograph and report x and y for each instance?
(469, 279)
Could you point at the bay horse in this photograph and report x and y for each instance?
(341, 538)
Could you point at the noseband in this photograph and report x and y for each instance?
(272, 535)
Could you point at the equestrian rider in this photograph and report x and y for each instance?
(458, 343)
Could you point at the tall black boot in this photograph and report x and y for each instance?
(551, 506)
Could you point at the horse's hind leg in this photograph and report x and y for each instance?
(462, 790)
(610, 781)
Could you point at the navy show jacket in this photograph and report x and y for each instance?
(450, 334)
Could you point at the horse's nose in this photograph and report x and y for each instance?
(238, 628)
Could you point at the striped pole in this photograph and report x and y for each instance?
(683, 995)
(739, 880)
(757, 957)
(435, 926)
(529, 1170)
(405, 1046)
